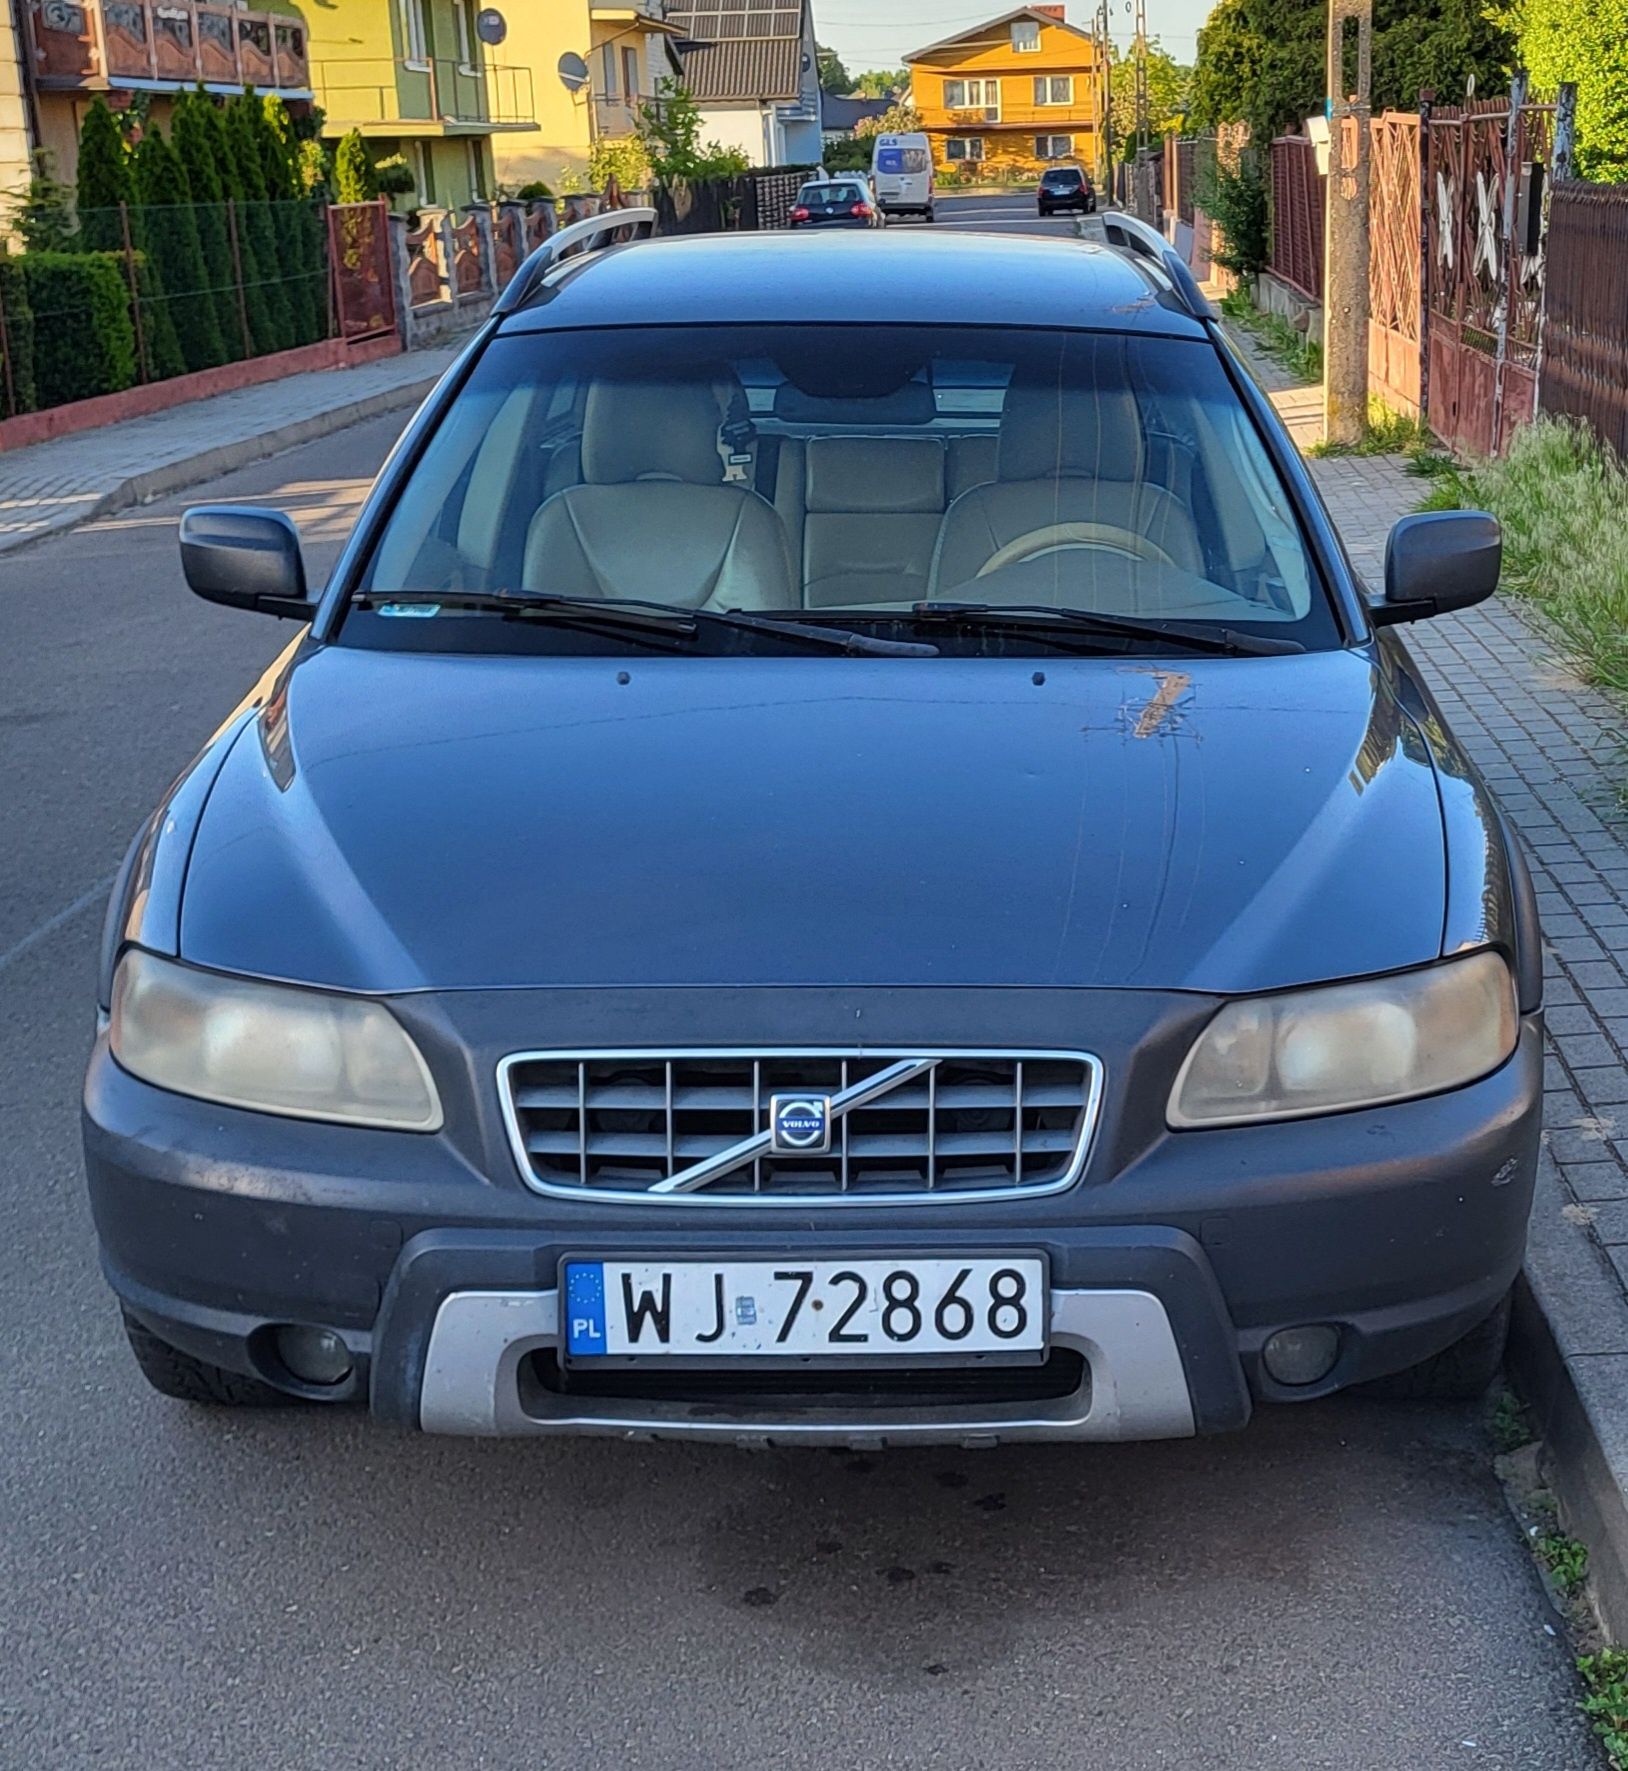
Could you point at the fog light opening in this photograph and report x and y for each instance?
(1301, 1355)
(313, 1355)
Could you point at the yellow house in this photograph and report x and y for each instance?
(1011, 96)
(436, 82)
(593, 66)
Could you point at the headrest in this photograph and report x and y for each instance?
(1050, 430)
(910, 404)
(887, 474)
(636, 430)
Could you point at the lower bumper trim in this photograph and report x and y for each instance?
(1135, 1386)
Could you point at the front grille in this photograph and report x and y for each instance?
(1062, 1373)
(966, 1124)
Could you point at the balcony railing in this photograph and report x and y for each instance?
(165, 43)
(1075, 118)
(437, 89)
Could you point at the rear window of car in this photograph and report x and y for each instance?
(1061, 180)
(1116, 473)
(902, 160)
(830, 193)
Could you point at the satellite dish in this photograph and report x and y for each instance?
(573, 71)
(491, 26)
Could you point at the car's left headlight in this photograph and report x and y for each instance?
(1339, 1046)
(307, 1054)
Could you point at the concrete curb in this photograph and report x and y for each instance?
(1568, 1355)
(205, 464)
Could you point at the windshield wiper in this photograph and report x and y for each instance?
(1046, 616)
(633, 618)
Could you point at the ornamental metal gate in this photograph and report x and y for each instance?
(1485, 219)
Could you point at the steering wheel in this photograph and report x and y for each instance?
(1056, 537)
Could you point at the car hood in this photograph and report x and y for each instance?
(398, 821)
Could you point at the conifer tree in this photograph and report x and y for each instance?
(104, 180)
(269, 320)
(194, 140)
(169, 229)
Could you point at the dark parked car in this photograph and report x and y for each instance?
(836, 203)
(1067, 187)
(841, 859)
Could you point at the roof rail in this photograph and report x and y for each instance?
(579, 235)
(1140, 237)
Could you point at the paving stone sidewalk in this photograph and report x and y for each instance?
(1553, 750)
(56, 485)
(1556, 754)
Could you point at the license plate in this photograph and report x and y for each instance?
(904, 1308)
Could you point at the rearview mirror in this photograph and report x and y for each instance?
(246, 558)
(1442, 560)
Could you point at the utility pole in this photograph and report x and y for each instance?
(1106, 45)
(1345, 269)
(1141, 76)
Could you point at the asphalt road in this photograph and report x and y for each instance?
(1340, 1586)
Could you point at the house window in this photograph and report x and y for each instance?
(1054, 89)
(477, 169)
(631, 82)
(974, 95)
(969, 147)
(464, 17)
(423, 171)
(413, 41)
(1053, 147)
(1026, 35)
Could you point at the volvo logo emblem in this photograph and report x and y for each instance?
(800, 1125)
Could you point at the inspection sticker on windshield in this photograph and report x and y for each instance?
(802, 1309)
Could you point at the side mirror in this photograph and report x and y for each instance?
(246, 558)
(1442, 560)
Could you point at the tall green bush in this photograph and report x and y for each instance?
(107, 184)
(355, 180)
(104, 180)
(1235, 199)
(84, 343)
(1585, 41)
(198, 148)
(17, 340)
(269, 320)
(170, 234)
(298, 224)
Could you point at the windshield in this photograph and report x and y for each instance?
(849, 472)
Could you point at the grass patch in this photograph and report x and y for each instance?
(1511, 1425)
(1562, 498)
(1298, 354)
(1566, 1559)
(1388, 433)
(1605, 1677)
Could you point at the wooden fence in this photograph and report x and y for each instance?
(1297, 216)
(1584, 337)
(1461, 287)
(1393, 261)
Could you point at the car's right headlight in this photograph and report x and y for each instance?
(1337, 1046)
(307, 1054)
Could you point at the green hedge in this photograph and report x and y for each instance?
(84, 342)
(18, 338)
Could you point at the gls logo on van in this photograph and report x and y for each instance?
(800, 1125)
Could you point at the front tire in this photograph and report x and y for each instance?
(1459, 1373)
(185, 1379)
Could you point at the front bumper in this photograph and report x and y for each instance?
(1172, 1261)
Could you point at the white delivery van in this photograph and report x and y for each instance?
(902, 174)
